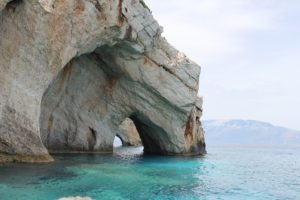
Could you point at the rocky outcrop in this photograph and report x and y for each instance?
(72, 71)
(128, 133)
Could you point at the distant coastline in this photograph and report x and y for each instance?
(249, 133)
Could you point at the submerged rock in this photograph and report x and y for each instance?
(72, 71)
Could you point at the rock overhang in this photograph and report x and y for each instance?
(147, 79)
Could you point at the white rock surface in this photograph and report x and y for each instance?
(72, 71)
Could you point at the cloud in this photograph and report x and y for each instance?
(214, 27)
(248, 50)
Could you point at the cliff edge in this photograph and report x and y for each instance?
(72, 71)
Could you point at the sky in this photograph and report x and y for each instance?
(249, 53)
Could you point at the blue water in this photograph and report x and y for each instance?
(224, 173)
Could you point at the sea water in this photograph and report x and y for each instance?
(224, 173)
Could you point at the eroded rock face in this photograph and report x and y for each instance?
(129, 134)
(72, 71)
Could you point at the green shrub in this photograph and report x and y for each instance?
(144, 5)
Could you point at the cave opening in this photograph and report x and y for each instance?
(117, 142)
(127, 141)
(12, 5)
(90, 104)
(152, 137)
(128, 133)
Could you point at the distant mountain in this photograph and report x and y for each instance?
(250, 133)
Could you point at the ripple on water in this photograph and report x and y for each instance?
(225, 173)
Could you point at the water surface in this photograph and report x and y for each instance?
(224, 173)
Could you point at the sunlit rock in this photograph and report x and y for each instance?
(72, 71)
(129, 134)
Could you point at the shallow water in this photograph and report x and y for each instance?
(224, 173)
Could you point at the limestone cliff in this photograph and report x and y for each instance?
(72, 71)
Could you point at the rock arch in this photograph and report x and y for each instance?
(82, 67)
(92, 95)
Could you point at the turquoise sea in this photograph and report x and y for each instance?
(224, 173)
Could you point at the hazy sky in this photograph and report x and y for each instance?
(249, 51)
